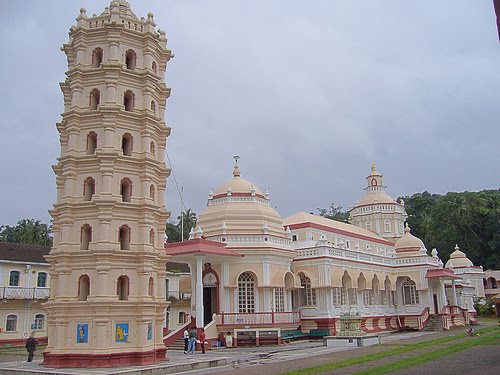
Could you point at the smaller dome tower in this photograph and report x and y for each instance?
(238, 209)
(377, 211)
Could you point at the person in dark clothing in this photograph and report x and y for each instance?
(31, 346)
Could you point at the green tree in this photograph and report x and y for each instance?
(469, 219)
(334, 213)
(188, 220)
(173, 230)
(28, 231)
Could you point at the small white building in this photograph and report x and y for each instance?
(24, 286)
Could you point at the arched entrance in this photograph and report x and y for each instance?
(210, 293)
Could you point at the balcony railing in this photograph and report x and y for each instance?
(259, 318)
(15, 292)
(174, 295)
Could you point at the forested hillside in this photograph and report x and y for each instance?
(469, 219)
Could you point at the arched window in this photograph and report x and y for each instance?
(308, 293)
(153, 107)
(83, 287)
(86, 237)
(152, 149)
(369, 225)
(152, 192)
(493, 282)
(387, 225)
(122, 288)
(41, 280)
(246, 293)
(154, 67)
(127, 144)
(388, 295)
(375, 295)
(96, 58)
(126, 189)
(130, 59)
(181, 317)
(95, 98)
(124, 237)
(346, 288)
(150, 287)
(88, 189)
(410, 292)
(91, 143)
(152, 236)
(374, 182)
(39, 319)
(128, 101)
(14, 277)
(11, 323)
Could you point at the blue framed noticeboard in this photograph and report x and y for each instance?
(150, 331)
(82, 333)
(121, 332)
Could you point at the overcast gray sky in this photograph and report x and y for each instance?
(308, 93)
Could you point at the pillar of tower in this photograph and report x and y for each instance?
(107, 264)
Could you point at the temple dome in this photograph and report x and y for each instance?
(374, 198)
(408, 242)
(458, 259)
(238, 208)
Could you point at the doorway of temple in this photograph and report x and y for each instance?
(210, 295)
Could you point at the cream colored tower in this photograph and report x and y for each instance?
(377, 211)
(108, 264)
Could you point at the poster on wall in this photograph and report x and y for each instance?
(150, 331)
(82, 333)
(121, 332)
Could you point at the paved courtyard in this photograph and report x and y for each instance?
(482, 360)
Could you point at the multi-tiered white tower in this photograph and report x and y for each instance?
(108, 263)
(377, 211)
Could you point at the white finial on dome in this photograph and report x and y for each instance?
(252, 191)
(211, 194)
(266, 194)
(288, 232)
(434, 253)
(456, 247)
(236, 170)
(407, 228)
(229, 191)
(191, 234)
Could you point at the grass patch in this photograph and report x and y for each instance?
(400, 349)
(489, 338)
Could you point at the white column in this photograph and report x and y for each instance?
(225, 293)
(442, 294)
(454, 293)
(199, 293)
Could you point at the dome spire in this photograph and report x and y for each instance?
(374, 167)
(236, 170)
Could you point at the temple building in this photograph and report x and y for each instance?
(258, 276)
(107, 263)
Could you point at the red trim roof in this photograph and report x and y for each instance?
(340, 231)
(199, 246)
(441, 272)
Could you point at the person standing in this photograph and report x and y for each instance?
(186, 340)
(31, 346)
(192, 340)
(203, 339)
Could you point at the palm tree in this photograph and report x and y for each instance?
(187, 220)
